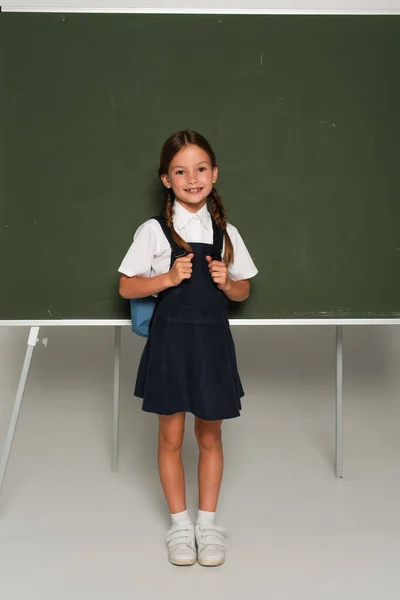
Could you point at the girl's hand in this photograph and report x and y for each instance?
(219, 273)
(181, 269)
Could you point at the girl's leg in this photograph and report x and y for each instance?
(209, 439)
(170, 466)
(180, 538)
(210, 538)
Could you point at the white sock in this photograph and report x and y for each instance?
(206, 518)
(181, 518)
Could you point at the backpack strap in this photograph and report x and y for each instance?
(218, 241)
(177, 251)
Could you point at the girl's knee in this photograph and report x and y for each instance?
(171, 433)
(208, 434)
(170, 443)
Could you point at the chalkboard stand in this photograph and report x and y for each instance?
(32, 341)
(339, 401)
(31, 344)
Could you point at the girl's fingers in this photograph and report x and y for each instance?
(219, 278)
(213, 263)
(218, 269)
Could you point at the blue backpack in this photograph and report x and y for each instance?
(142, 309)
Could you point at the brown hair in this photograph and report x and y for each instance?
(171, 147)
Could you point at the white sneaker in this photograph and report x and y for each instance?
(181, 544)
(210, 541)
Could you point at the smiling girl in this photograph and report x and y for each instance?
(189, 361)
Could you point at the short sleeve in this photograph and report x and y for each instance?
(243, 266)
(140, 255)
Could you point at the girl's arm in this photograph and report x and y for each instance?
(236, 290)
(140, 287)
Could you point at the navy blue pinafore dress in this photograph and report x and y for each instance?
(189, 361)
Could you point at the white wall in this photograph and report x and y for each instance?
(214, 5)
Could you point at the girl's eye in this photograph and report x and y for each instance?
(202, 169)
(180, 172)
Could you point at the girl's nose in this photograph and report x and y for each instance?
(192, 178)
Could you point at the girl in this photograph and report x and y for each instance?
(189, 362)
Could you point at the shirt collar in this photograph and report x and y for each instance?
(182, 216)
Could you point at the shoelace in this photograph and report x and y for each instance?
(211, 535)
(180, 535)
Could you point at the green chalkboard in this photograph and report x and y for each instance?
(302, 111)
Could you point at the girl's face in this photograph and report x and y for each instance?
(191, 177)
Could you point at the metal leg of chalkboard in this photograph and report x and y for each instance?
(117, 356)
(339, 399)
(32, 339)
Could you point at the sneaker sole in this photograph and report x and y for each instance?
(205, 563)
(183, 563)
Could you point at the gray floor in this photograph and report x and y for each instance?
(69, 528)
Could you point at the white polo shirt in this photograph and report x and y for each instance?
(150, 253)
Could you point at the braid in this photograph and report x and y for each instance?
(218, 215)
(168, 214)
